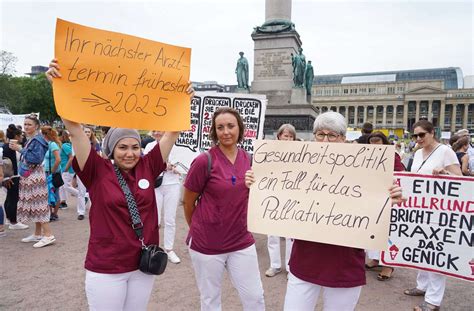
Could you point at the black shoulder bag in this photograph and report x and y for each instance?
(153, 259)
(56, 176)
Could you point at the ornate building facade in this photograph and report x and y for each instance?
(397, 99)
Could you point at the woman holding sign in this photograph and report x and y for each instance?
(336, 270)
(113, 281)
(432, 158)
(215, 206)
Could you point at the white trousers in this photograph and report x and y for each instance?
(167, 199)
(244, 274)
(302, 296)
(67, 188)
(273, 245)
(433, 284)
(81, 197)
(375, 255)
(122, 291)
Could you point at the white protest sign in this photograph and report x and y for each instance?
(333, 193)
(250, 106)
(434, 229)
(353, 135)
(445, 135)
(17, 119)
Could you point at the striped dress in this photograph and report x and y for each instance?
(33, 200)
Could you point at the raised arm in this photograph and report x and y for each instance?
(79, 140)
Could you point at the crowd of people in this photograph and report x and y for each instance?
(215, 202)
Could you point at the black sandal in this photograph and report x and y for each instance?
(414, 292)
(383, 276)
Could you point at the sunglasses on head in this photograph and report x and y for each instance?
(421, 135)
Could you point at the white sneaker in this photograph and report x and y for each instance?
(3, 233)
(32, 238)
(272, 272)
(45, 241)
(18, 226)
(173, 258)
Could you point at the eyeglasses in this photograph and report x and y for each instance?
(331, 136)
(421, 135)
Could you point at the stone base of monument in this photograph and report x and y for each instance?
(300, 116)
(242, 91)
(298, 96)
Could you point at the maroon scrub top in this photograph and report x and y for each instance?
(219, 221)
(113, 244)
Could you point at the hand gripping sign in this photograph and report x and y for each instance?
(114, 79)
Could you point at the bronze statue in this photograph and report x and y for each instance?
(308, 78)
(299, 66)
(275, 26)
(242, 71)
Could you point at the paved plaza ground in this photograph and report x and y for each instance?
(52, 278)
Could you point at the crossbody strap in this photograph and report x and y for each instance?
(424, 161)
(137, 224)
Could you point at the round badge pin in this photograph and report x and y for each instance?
(143, 184)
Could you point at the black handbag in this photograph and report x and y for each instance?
(153, 259)
(57, 178)
(158, 181)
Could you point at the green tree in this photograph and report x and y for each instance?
(28, 94)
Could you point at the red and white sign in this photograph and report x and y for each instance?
(434, 229)
(251, 108)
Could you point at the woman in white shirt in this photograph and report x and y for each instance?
(432, 158)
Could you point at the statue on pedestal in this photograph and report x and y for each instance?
(308, 78)
(275, 26)
(299, 66)
(242, 72)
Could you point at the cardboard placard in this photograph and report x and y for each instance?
(114, 79)
(196, 140)
(434, 229)
(333, 193)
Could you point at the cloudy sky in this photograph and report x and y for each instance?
(338, 36)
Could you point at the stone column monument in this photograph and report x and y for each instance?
(276, 41)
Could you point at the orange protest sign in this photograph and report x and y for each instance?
(113, 79)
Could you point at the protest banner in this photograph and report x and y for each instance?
(17, 119)
(113, 79)
(250, 106)
(433, 229)
(353, 135)
(332, 193)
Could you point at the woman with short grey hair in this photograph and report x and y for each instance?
(337, 270)
(330, 120)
